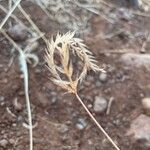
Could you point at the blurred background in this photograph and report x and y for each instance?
(118, 34)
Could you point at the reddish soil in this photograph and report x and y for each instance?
(52, 109)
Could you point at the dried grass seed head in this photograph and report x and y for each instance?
(63, 46)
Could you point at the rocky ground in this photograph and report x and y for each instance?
(119, 98)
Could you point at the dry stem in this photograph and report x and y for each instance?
(14, 17)
(32, 23)
(97, 124)
(109, 105)
(9, 14)
(63, 45)
(26, 88)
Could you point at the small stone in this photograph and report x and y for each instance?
(103, 77)
(20, 119)
(100, 104)
(54, 100)
(116, 122)
(68, 122)
(3, 143)
(89, 105)
(2, 103)
(146, 105)
(140, 130)
(136, 3)
(90, 142)
(81, 124)
(98, 84)
(142, 50)
(12, 141)
(5, 81)
(1, 65)
(136, 60)
(2, 98)
(14, 124)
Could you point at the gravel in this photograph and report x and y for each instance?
(100, 104)
(3, 143)
(146, 105)
(103, 77)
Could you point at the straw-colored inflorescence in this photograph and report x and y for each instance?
(66, 47)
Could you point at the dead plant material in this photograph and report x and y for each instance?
(109, 105)
(59, 56)
(63, 46)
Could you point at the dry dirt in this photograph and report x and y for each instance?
(57, 114)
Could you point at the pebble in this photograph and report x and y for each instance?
(103, 77)
(1, 65)
(14, 125)
(12, 141)
(140, 130)
(5, 81)
(2, 98)
(18, 32)
(146, 105)
(3, 143)
(20, 119)
(136, 60)
(117, 122)
(142, 50)
(54, 100)
(98, 84)
(90, 106)
(81, 124)
(100, 104)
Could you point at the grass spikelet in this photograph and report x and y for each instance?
(59, 57)
(64, 45)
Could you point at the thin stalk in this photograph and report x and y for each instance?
(26, 88)
(9, 7)
(96, 122)
(15, 18)
(32, 23)
(9, 14)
